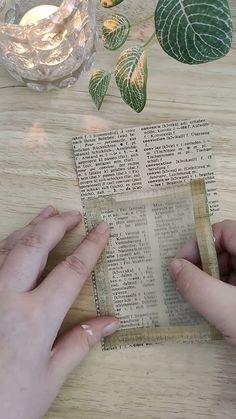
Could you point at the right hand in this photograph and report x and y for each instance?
(214, 299)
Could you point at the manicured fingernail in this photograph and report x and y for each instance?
(102, 228)
(175, 267)
(111, 328)
(48, 211)
(87, 329)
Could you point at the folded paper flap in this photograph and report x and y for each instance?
(139, 195)
(204, 233)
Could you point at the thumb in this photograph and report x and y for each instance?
(71, 348)
(211, 297)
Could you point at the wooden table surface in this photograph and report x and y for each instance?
(37, 168)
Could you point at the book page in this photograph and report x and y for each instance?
(138, 181)
(145, 158)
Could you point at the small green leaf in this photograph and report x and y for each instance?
(115, 31)
(110, 3)
(193, 31)
(131, 77)
(98, 85)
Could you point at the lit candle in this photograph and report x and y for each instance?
(38, 13)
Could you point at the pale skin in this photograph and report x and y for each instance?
(33, 366)
(34, 362)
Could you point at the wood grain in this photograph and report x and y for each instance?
(37, 168)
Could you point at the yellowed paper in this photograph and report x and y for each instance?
(138, 180)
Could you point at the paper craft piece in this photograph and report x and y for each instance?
(139, 181)
(132, 279)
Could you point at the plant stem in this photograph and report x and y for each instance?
(149, 41)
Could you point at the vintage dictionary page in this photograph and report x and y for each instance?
(138, 180)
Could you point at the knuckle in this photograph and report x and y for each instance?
(8, 243)
(95, 242)
(77, 265)
(93, 238)
(4, 251)
(13, 238)
(32, 239)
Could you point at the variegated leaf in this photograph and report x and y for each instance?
(131, 77)
(110, 3)
(115, 31)
(193, 31)
(98, 86)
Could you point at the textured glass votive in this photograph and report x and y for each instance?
(52, 52)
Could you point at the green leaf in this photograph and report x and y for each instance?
(194, 31)
(115, 31)
(110, 3)
(98, 85)
(131, 77)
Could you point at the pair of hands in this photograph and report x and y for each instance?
(34, 363)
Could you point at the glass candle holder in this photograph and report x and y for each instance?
(51, 52)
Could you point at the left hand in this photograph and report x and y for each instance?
(34, 363)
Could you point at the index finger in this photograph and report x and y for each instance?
(63, 284)
(225, 241)
(190, 251)
(225, 236)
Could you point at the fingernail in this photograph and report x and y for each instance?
(111, 328)
(87, 329)
(48, 211)
(102, 228)
(175, 267)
